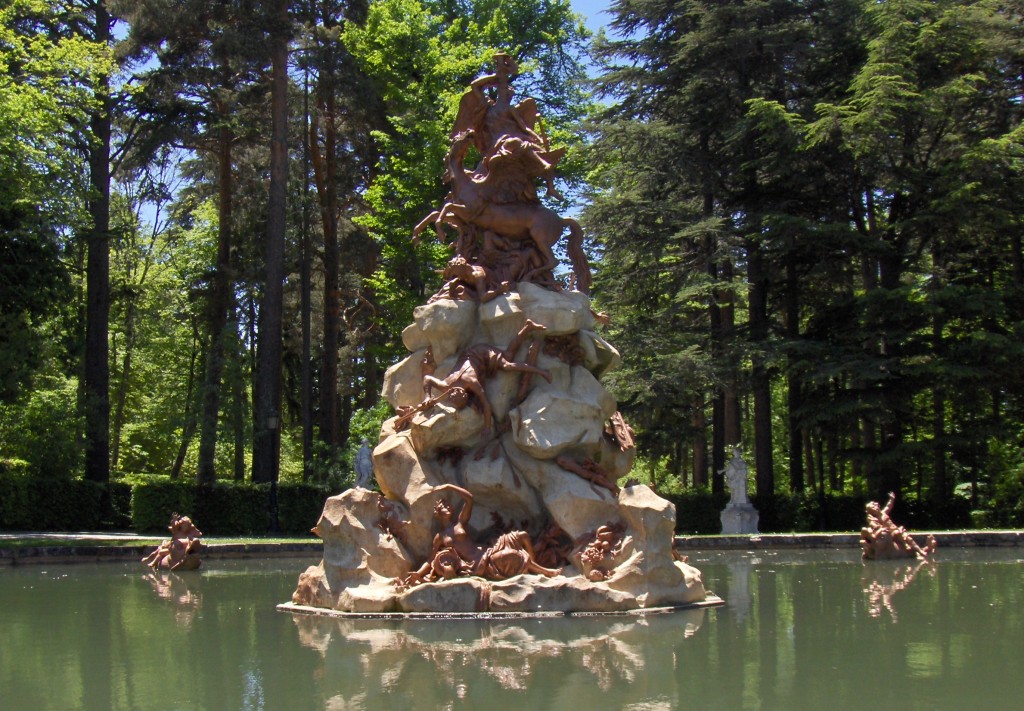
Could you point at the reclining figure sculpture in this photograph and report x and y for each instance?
(182, 551)
(882, 539)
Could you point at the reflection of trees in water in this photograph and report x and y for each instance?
(810, 634)
(883, 579)
(463, 659)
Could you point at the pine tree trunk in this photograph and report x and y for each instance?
(324, 170)
(760, 379)
(794, 395)
(267, 425)
(306, 300)
(96, 385)
(188, 429)
(220, 302)
(700, 445)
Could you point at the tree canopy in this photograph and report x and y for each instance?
(803, 217)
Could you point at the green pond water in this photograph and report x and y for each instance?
(801, 630)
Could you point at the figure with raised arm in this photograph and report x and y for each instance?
(882, 539)
(454, 553)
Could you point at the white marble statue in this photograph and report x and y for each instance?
(739, 515)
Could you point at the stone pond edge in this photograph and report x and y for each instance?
(34, 555)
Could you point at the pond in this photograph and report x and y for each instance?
(800, 630)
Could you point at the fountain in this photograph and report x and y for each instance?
(498, 474)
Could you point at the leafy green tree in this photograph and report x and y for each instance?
(199, 94)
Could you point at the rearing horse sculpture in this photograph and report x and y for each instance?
(475, 201)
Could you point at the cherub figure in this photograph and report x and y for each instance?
(472, 281)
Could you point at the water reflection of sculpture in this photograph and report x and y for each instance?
(181, 552)
(882, 539)
(175, 590)
(882, 582)
(462, 657)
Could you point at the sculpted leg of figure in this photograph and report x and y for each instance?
(527, 379)
(532, 565)
(516, 343)
(430, 219)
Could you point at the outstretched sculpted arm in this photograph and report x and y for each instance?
(888, 505)
(467, 497)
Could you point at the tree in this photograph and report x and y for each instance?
(208, 66)
(267, 386)
(39, 106)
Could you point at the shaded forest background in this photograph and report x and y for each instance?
(804, 218)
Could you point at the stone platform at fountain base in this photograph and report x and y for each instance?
(710, 601)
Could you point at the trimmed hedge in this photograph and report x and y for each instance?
(299, 506)
(29, 503)
(228, 509)
(698, 512)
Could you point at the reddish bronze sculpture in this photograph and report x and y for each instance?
(455, 553)
(475, 365)
(882, 539)
(501, 416)
(182, 551)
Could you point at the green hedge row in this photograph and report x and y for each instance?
(229, 509)
(34, 504)
(698, 512)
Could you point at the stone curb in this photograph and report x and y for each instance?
(37, 555)
(945, 539)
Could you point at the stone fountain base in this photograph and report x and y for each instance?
(710, 600)
(644, 574)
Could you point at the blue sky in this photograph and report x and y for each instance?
(593, 11)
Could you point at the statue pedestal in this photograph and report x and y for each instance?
(739, 518)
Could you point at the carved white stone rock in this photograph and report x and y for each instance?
(405, 477)
(498, 488)
(348, 528)
(552, 421)
(444, 426)
(561, 312)
(500, 319)
(446, 326)
(615, 463)
(403, 381)
(572, 502)
(599, 356)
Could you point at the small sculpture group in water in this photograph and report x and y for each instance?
(182, 551)
(882, 539)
